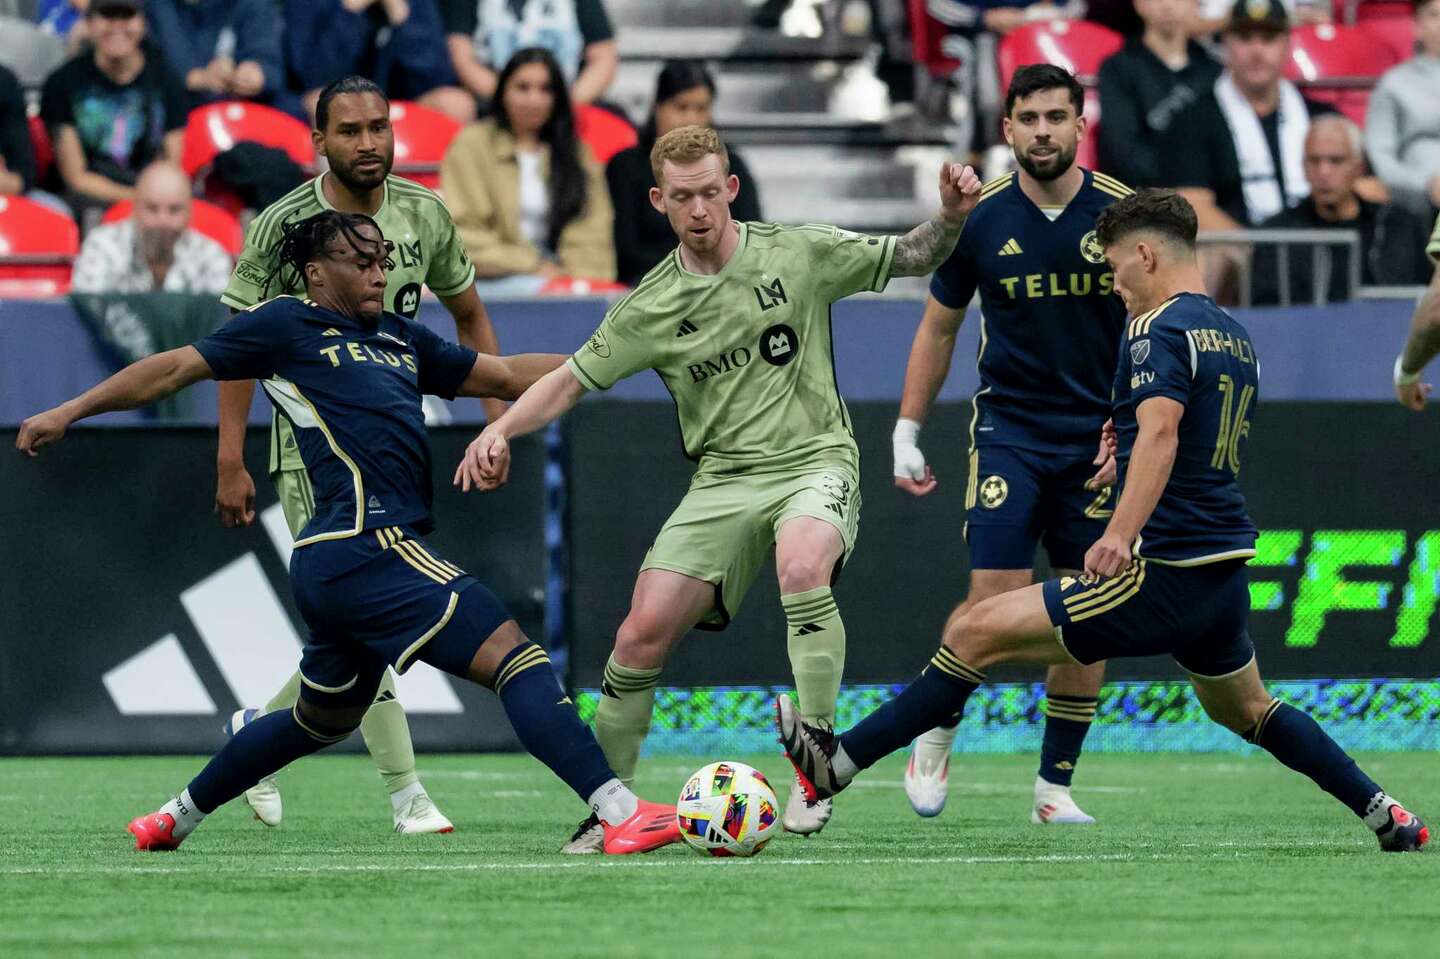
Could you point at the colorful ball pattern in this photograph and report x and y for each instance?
(728, 809)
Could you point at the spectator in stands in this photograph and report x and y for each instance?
(684, 95)
(17, 157)
(398, 44)
(484, 34)
(154, 249)
(113, 109)
(1237, 154)
(528, 198)
(1402, 126)
(1215, 15)
(224, 49)
(1001, 17)
(1392, 239)
(1146, 86)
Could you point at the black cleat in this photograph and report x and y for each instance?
(1404, 832)
(809, 749)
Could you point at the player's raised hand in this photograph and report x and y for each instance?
(1105, 459)
(41, 430)
(235, 497)
(912, 474)
(1412, 396)
(1109, 557)
(959, 190)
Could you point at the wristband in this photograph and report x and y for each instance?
(1401, 377)
(906, 431)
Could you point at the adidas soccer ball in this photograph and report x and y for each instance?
(728, 809)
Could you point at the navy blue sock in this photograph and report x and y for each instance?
(1296, 740)
(261, 747)
(1067, 720)
(546, 721)
(935, 697)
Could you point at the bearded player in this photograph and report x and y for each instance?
(1050, 324)
(736, 321)
(353, 133)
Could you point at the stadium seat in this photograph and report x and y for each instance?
(1377, 9)
(205, 218)
(1397, 33)
(926, 35)
(215, 128)
(578, 286)
(1077, 45)
(1338, 65)
(421, 137)
(605, 133)
(37, 248)
(44, 149)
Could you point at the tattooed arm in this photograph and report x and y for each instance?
(924, 248)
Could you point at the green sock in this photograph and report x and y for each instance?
(285, 698)
(387, 735)
(622, 717)
(817, 650)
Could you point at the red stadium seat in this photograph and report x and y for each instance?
(1327, 52)
(579, 286)
(421, 137)
(216, 127)
(603, 132)
(926, 34)
(37, 248)
(1383, 9)
(205, 218)
(1077, 45)
(44, 150)
(1397, 33)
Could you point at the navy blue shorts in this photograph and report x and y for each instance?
(384, 598)
(1019, 498)
(1197, 614)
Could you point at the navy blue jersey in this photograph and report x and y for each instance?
(352, 393)
(1049, 317)
(1197, 354)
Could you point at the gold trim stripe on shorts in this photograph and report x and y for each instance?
(418, 556)
(952, 665)
(534, 656)
(327, 739)
(1109, 596)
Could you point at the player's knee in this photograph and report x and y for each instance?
(800, 573)
(644, 639)
(971, 635)
(1237, 715)
(328, 722)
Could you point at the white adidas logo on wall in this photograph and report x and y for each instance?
(249, 636)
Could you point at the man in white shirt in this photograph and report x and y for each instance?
(154, 249)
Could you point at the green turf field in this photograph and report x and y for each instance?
(1195, 856)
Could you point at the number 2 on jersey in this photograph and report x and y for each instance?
(1233, 425)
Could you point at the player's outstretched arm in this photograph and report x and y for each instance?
(234, 488)
(1150, 463)
(141, 383)
(1420, 348)
(507, 377)
(925, 373)
(920, 251)
(486, 464)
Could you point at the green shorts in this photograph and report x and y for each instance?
(726, 525)
(297, 499)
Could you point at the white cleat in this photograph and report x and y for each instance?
(589, 838)
(263, 798)
(418, 815)
(1054, 805)
(927, 776)
(802, 816)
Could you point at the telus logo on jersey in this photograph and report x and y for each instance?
(360, 353)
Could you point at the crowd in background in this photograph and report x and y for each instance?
(1196, 99)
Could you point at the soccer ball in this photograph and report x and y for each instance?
(728, 809)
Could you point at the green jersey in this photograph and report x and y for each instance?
(746, 353)
(427, 252)
(1433, 247)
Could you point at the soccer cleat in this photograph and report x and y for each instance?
(651, 826)
(803, 816)
(1054, 805)
(263, 798)
(810, 749)
(927, 775)
(154, 832)
(419, 815)
(1403, 831)
(588, 837)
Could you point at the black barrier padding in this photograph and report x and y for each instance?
(105, 531)
(1308, 467)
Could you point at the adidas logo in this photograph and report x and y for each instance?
(331, 332)
(807, 629)
(385, 697)
(249, 638)
(1010, 248)
(374, 504)
(686, 328)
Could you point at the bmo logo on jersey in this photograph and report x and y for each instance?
(779, 345)
(729, 362)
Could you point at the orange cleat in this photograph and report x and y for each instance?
(154, 832)
(653, 825)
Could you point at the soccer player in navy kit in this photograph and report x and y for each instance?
(349, 379)
(1050, 324)
(1168, 576)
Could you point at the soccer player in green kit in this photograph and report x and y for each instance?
(737, 323)
(352, 131)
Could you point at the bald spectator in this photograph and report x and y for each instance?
(1392, 239)
(155, 249)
